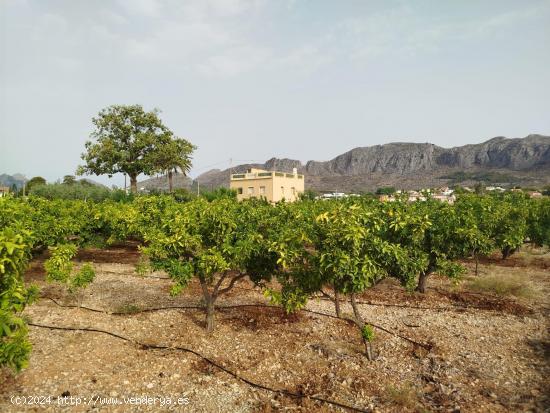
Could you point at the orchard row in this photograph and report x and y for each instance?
(346, 246)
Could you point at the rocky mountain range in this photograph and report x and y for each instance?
(9, 180)
(517, 161)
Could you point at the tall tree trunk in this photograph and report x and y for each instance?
(337, 303)
(133, 184)
(170, 183)
(422, 280)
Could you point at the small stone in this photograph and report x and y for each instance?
(126, 382)
(150, 385)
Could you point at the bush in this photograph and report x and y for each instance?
(219, 193)
(74, 191)
(80, 190)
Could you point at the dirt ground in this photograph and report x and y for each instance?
(487, 353)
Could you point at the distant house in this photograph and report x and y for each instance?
(4, 190)
(271, 185)
(333, 195)
(450, 199)
(534, 194)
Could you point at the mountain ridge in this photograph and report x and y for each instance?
(366, 168)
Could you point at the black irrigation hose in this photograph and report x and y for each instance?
(184, 307)
(144, 346)
(415, 307)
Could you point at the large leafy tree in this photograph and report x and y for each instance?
(128, 140)
(36, 181)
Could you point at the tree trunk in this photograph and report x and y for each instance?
(356, 312)
(422, 280)
(507, 251)
(369, 349)
(210, 315)
(170, 183)
(133, 184)
(360, 324)
(337, 303)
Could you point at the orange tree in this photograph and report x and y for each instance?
(340, 244)
(219, 243)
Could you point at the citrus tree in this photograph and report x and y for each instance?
(218, 243)
(14, 297)
(539, 222)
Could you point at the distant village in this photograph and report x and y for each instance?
(276, 186)
(443, 194)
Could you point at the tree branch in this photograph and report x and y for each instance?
(231, 284)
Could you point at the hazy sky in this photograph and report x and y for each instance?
(252, 79)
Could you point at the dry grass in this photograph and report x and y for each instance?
(405, 396)
(503, 285)
(128, 309)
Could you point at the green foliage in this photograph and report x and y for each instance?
(132, 141)
(367, 332)
(173, 156)
(484, 177)
(82, 278)
(219, 193)
(72, 191)
(308, 195)
(59, 268)
(69, 180)
(183, 195)
(347, 245)
(14, 296)
(37, 180)
(386, 190)
(539, 222)
(291, 299)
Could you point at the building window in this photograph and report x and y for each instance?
(293, 191)
(282, 190)
(262, 190)
(250, 190)
(239, 191)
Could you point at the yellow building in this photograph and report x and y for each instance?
(4, 190)
(273, 186)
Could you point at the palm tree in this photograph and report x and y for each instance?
(174, 157)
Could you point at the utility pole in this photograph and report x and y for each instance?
(198, 188)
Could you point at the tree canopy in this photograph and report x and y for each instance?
(129, 140)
